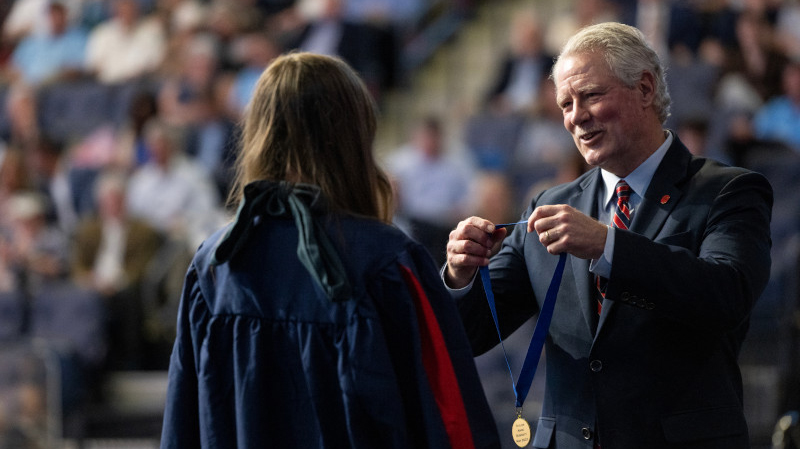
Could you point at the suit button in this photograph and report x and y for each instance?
(596, 365)
(625, 296)
(587, 433)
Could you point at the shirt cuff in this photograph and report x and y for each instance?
(602, 266)
(457, 293)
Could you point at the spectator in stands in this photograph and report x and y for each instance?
(131, 149)
(29, 17)
(14, 180)
(432, 184)
(126, 46)
(518, 81)
(756, 55)
(253, 51)
(48, 303)
(172, 192)
(543, 139)
(779, 119)
(692, 79)
(741, 146)
(112, 249)
(368, 48)
(228, 21)
(55, 55)
(190, 99)
(399, 14)
(185, 97)
(51, 175)
(14, 176)
(111, 255)
(36, 250)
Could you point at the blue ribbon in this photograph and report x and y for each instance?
(523, 386)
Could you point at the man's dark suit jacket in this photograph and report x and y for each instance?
(659, 368)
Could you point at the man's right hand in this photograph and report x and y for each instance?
(470, 246)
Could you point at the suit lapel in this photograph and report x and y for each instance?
(663, 193)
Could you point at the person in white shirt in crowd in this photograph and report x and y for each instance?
(126, 46)
(173, 192)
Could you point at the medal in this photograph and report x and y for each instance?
(521, 430)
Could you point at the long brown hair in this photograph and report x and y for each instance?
(312, 120)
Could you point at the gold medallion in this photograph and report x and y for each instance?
(521, 432)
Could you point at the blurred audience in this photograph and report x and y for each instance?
(126, 46)
(44, 302)
(691, 80)
(252, 52)
(111, 255)
(54, 55)
(516, 87)
(130, 148)
(570, 19)
(779, 118)
(172, 192)
(50, 174)
(34, 251)
(22, 128)
(433, 186)
(494, 198)
(14, 178)
(321, 26)
(544, 139)
(193, 98)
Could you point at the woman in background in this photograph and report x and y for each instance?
(310, 321)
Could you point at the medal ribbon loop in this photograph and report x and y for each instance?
(523, 385)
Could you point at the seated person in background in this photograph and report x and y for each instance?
(45, 304)
(55, 55)
(432, 185)
(111, 255)
(516, 87)
(779, 119)
(126, 46)
(172, 192)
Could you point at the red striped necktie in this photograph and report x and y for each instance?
(620, 220)
(622, 216)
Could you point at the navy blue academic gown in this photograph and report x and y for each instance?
(264, 358)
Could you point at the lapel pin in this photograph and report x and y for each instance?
(664, 199)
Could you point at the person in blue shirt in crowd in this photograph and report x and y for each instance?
(55, 55)
(778, 119)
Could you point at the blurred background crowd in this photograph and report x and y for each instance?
(118, 125)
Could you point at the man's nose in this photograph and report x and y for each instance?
(579, 114)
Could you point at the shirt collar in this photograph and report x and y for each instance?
(638, 179)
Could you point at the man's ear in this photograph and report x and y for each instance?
(647, 88)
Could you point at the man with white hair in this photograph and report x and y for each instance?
(666, 254)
